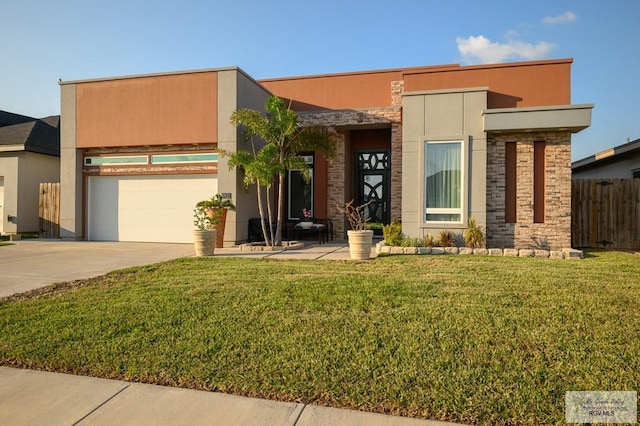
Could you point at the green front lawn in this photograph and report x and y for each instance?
(470, 339)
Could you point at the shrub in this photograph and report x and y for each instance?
(447, 239)
(429, 241)
(473, 235)
(413, 242)
(392, 234)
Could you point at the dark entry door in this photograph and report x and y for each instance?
(373, 176)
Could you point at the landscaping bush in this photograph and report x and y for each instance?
(392, 234)
(447, 239)
(473, 235)
(429, 241)
(413, 242)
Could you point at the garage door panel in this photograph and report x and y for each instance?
(145, 208)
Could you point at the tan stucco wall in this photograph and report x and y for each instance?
(9, 163)
(443, 115)
(236, 90)
(36, 169)
(23, 172)
(71, 189)
(147, 110)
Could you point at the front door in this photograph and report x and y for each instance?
(373, 175)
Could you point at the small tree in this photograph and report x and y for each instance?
(285, 140)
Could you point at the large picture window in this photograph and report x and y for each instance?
(300, 192)
(443, 181)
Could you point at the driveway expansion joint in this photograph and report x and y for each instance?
(295, 422)
(79, 421)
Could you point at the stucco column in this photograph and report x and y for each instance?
(70, 167)
(396, 171)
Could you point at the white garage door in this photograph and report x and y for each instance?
(145, 208)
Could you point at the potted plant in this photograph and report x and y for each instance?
(307, 223)
(216, 209)
(360, 237)
(204, 237)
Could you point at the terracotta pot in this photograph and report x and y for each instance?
(204, 242)
(220, 226)
(360, 243)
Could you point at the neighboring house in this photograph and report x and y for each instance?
(29, 155)
(431, 146)
(621, 162)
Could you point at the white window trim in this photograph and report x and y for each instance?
(463, 187)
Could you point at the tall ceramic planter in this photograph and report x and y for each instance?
(220, 227)
(360, 244)
(205, 242)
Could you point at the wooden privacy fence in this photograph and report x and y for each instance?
(49, 210)
(605, 213)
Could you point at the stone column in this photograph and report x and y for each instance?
(336, 186)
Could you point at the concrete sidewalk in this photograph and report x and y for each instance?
(30, 397)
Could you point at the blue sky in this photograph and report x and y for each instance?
(44, 40)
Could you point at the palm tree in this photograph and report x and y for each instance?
(285, 140)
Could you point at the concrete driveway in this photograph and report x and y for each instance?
(30, 264)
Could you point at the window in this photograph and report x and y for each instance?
(443, 181)
(183, 158)
(300, 193)
(155, 159)
(635, 173)
(121, 159)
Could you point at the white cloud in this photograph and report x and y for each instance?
(480, 48)
(564, 18)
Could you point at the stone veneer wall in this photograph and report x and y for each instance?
(555, 232)
(396, 151)
(352, 118)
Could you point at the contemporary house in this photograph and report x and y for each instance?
(430, 146)
(29, 155)
(620, 162)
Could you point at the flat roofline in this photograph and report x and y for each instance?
(496, 65)
(573, 118)
(537, 108)
(422, 69)
(354, 73)
(445, 91)
(158, 74)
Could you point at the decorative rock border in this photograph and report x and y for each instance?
(286, 245)
(381, 247)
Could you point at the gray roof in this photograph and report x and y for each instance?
(37, 135)
(607, 156)
(9, 118)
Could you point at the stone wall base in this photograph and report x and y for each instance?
(569, 253)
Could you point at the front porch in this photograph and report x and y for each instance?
(367, 166)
